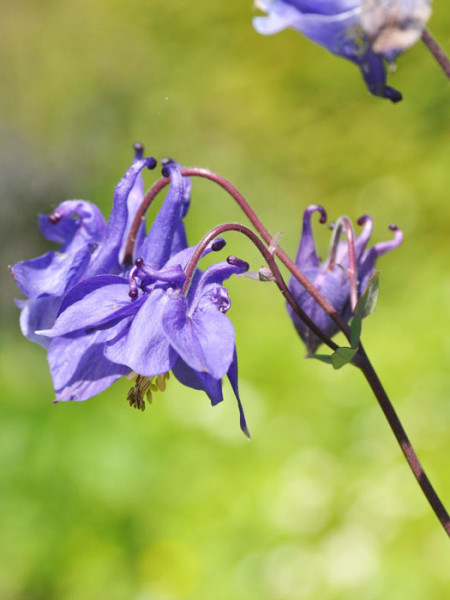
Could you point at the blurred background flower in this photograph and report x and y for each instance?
(336, 25)
(101, 501)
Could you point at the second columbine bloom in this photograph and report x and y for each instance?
(354, 29)
(341, 279)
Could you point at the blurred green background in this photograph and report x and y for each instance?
(98, 501)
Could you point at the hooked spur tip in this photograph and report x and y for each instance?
(152, 162)
(363, 219)
(54, 218)
(312, 208)
(234, 261)
(218, 244)
(393, 227)
(392, 94)
(138, 150)
(165, 162)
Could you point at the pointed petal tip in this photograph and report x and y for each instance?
(246, 432)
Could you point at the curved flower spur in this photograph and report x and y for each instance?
(342, 279)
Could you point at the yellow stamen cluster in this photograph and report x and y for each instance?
(144, 387)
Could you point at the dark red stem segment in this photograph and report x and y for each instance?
(245, 206)
(436, 51)
(270, 260)
(401, 437)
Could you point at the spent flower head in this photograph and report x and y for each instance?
(341, 279)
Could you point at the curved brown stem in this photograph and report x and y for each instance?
(256, 222)
(436, 50)
(361, 360)
(268, 257)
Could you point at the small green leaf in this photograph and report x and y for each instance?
(366, 304)
(322, 357)
(342, 356)
(355, 331)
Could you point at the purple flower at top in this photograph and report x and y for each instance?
(334, 24)
(331, 277)
(89, 246)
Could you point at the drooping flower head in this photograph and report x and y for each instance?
(332, 277)
(146, 324)
(142, 320)
(363, 31)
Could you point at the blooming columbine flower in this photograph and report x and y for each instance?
(145, 323)
(331, 278)
(142, 321)
(77, 365)
(89, 247)
(334, 24)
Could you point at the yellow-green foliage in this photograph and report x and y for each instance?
(101, 502)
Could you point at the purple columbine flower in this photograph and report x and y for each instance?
(334, 24)
(146, 324)
(77, 363)
(89, 246)
(142, 321)
(332, 277)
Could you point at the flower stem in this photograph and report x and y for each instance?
(361, 360)
(270, 260)
(436, 51)
(400, 434)
(256, 222)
